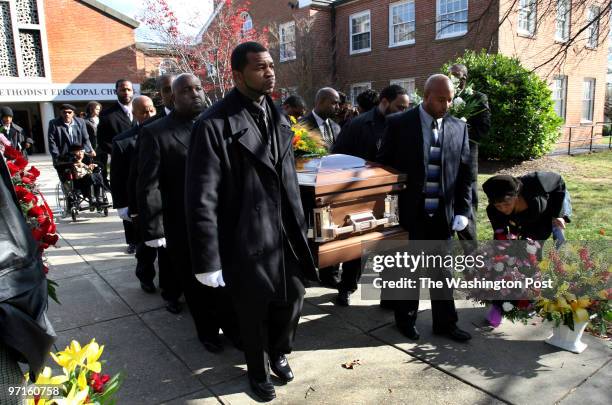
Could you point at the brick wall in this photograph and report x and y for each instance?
(578, 64)
(87, 46)
(419, 60)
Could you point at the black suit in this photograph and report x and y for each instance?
(59, 139)
(92, 130)
(478, 129)
(310, 124)
(162, 154)
(245, 217)
(362, 135)
(113, 121)
(16, 135)
(406, 149)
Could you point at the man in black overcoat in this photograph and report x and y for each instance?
(319, 122)
(123, 158)
(432, 148)
(245, 218)
(163, 147)
(115, 120)
(65, 131)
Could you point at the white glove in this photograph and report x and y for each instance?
(124, 214)
(459, 223)
(212, 279)
(156, 243)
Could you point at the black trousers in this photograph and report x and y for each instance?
(346, 280)
(268, 326)
(169, 284)
(131, 237)
(442, 304)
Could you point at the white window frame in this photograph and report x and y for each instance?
(559, 94)
(562, 21)
(588, 98)
(392, 42)
(351, 33)
(362, 86)
(593, 31)
(41, 27)
(410, 89)
(439, 22)
(531, 9)
(283, 42)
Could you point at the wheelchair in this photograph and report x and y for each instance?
(72, 199)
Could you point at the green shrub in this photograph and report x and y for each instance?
(523, 120)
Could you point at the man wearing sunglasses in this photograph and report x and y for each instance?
(67, 130)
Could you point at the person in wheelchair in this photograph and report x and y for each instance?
(85, 176)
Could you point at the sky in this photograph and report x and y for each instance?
(189, 12)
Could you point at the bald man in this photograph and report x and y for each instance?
(320, 121)
(432, 147)
(160, 187)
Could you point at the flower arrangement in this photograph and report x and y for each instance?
(82, 381)
(466, 104)
(304, 143)
(507, 261)
(580, 287)
(33, 206)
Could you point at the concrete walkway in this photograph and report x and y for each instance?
(163, 361)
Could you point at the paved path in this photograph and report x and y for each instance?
(164, 363)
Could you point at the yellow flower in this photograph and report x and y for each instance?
(82, 380)
(93, 352)
(292, 119)
(544, 264)
(603, 294)
(71, 357)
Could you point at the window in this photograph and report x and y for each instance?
(360, 32)
(527, 17)
(562, 21)
(452, 16)
(559, 93)
(247, 25)
(357, 89)
(408, 84)
(593, 30)
(287, 41)
(401, 23)
(588, 97)
(168, 66)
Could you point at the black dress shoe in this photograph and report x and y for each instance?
(280, 367)
(131, 249)
(343, 298)
(213, 345)
(148, 287)
(264, 390)
(455, 334)
(174, 307)
(409, 330)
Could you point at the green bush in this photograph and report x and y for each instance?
(523, 120)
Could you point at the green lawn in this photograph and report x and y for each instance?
(589, 181)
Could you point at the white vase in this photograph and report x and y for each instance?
(567, 339)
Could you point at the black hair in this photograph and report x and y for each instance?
(502, 186)
(239, 57)
(295, 101)
(392, 92)
(343, 97)
(118, 82)
(367, 100)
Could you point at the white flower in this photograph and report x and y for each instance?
(468, 91)
(499, 267)
(458, 102)
(463, 119)
(511, 261)
(531, 249)
(507, 307)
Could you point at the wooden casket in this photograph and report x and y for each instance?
(348, 201)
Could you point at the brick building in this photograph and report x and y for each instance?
(58, 51)
(358, 44)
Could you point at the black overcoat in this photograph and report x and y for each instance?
(113, 121)
(123, 158)
(362, 135)
(233, 201)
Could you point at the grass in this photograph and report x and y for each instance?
(589, 182)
